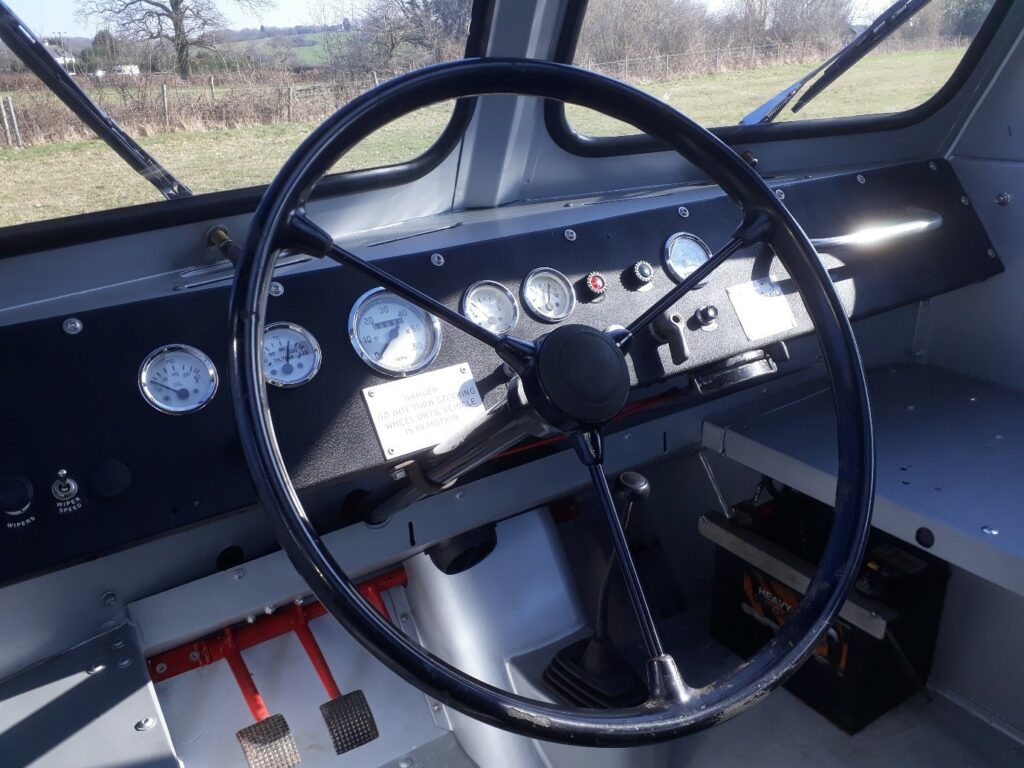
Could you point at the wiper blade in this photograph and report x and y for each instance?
(888, 22)
(33, 54)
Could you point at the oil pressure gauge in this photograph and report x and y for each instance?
(177, 379)
(684, 253)
(548, 294)
(491, 305)
(291, 356)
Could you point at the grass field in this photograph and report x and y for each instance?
(54, 180)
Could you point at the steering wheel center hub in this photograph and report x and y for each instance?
(582, 376)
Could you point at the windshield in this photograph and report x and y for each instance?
(220, 92)
(718, 60)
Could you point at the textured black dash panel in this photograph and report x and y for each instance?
(74, 402)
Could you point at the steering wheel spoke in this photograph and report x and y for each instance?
(309, 237)
(755, 228)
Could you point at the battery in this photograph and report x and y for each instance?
(879, 649)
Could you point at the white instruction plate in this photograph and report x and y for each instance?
(762, 308)
(424, 410)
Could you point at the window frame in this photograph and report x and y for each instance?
(46, 234)
(582, 145)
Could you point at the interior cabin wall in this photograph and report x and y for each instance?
(978, 330)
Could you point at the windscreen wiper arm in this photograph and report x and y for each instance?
(26, 46)
(883, 26)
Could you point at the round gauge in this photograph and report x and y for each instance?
(683, 254)
(291, 356)
(392, 335)
(548, 294)
(491, 305)
(177, 379)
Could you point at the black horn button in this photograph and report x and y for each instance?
(582, 374)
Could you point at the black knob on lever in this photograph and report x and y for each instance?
(632, 487)
(669, 328)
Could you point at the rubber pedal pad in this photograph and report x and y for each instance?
(269, 744)
(349, 721)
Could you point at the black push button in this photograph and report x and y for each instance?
(15, 495)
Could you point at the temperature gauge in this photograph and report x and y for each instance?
(683, 254)
(291, 356)
(491, 305)
(548, 294)
(177, 379)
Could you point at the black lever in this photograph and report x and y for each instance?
(591, 672)
(668, 328)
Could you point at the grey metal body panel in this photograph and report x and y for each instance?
(949, 451)
(92, 706)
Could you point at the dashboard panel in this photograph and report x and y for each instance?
(76, 402)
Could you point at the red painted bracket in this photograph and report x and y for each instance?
(229, 642)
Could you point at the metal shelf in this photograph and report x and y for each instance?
(950, 459)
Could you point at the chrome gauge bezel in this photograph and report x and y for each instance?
(666, 256)
(357, 345)
(154, 401)
(314, 347)
(533, 310)
(464, 304)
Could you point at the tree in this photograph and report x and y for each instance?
(186, 25)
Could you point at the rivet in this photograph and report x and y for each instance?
(405, 762)
(910, 408)
(974, 399)
(109, 599)
(73, 326)
(404, 617)
(570, 235)
(118, 644)
(250, 619)
(990, 530)
(391, 450)
(964, 200)
(781, 194)
(991, 253)
(1003, 199)
(145, 724)
(437, 259)
(268, 610)
(95, 668)
(239, 574)
(861, 179)
(683, 211)
(276, 289)
(124, 663)
(193, 655)
(160, 668)
(933, 165)
(459, 495)
(436, 707)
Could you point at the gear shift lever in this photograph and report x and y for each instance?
(590, 672)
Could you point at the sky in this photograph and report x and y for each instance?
(52, 17)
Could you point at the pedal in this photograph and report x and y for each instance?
(350, 721)
(269, 744)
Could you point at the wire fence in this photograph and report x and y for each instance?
(159, 103)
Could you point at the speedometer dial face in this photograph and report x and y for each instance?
(177, 379)
(291, 356)
(548, 295)
(392, 335)
(683, 254)
(491, 305)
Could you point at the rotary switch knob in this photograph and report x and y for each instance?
(642, 274)
(594, 286)
(15, 495)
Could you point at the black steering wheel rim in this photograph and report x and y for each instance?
(670, 713)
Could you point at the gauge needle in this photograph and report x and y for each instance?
(181, 393)
(288, 352)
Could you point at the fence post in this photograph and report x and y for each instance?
(290, 89)
(7, 127)
(14, 121)
(213, 96)
(167, 115)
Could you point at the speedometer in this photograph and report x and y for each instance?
(684, 253)
(391, 335)
(491, 305)
(548, 294)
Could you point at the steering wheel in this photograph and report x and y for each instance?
(556, 393)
